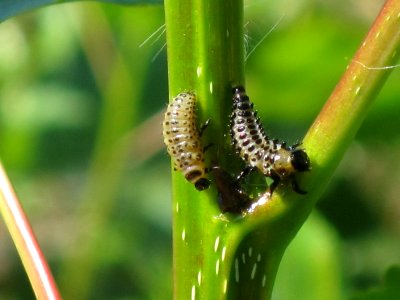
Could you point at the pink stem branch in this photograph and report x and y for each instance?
(28, 248)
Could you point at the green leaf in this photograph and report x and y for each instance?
(10, 8)
(389, 290)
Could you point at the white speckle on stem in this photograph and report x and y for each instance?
(377, 34)
(223, 253)
(225, 285)
(253, 271)
(250, 251)
(357, 90)
(199, 277)
(177, 207)
(264, 280)
(193, 296)
(211, 87)
(216, 244)
(183, 234)
(236, 270)
(198, 71)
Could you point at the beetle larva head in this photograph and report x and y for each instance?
(289, 161)
(196, 175)
(300, 160)
(202, 184)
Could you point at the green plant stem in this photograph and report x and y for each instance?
(205, 55)
(335, 127)
(349, 103)
(238, 259)
(36, 267)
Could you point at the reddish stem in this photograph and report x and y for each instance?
(28, 248)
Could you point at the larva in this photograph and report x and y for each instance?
(231, 197)
(182, 138)
(271, 157)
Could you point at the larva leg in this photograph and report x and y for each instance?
(276, 180)
(296, 187)
(246, 171)
(295, 145)
(203, 127)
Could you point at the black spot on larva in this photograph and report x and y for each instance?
(181, 133)
(251, 148)
(242, 136)
(240, 121)
(244, 113)
(246, 143)
(192, 174)
(243, 106)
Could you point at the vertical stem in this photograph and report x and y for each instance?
(205, 55)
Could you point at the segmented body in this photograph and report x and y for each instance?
(273, 158)
(182, 138)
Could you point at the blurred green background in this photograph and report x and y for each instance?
(81, 102)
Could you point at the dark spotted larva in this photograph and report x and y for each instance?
(231, 197)
(182, 138)
(272, 158)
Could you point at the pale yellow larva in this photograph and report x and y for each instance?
(182, 138)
